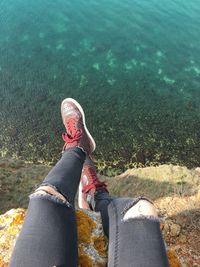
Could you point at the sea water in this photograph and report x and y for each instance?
(134, 66)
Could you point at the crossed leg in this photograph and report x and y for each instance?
(49, 234)
(133, 228)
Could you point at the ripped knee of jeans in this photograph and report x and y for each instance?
(140, 207)
(51, 193)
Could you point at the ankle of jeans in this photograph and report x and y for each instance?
(97, 197)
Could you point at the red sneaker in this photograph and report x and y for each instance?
(77, 134)
(89, 184)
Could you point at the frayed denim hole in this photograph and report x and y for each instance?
(47, 184)
(133, 203)
(141, 217)
(50, 198)
(56, 189)
(44, 184)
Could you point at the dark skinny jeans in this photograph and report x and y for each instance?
(49, 234)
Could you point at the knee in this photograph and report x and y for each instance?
(143, 208)
(48, 190)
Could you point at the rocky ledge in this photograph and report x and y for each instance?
(175, 191)
(92, 244)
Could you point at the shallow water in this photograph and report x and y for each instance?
(133, 65)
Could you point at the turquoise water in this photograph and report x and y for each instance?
(134, 66)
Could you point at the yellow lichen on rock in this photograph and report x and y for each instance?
(92, 244)
(83, 259)
(90, 233)
(89, 229)
(10, 226)
(100, 244)
(85, 227)
(173, 259)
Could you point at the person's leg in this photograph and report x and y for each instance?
(93, 194)
(49, 236)
(100, 203)
(135, 238)
(131, 224)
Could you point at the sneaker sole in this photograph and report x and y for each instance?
(83, 117)
(82, 203)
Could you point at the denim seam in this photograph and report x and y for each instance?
(116, 249)
(133, 203)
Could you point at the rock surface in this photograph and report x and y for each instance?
(92, 244)
(174, 189)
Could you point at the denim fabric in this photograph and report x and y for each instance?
(48, 237)
(49, 234)
(136, 242)
(99, 202)
(65, 175)
(133, 243)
